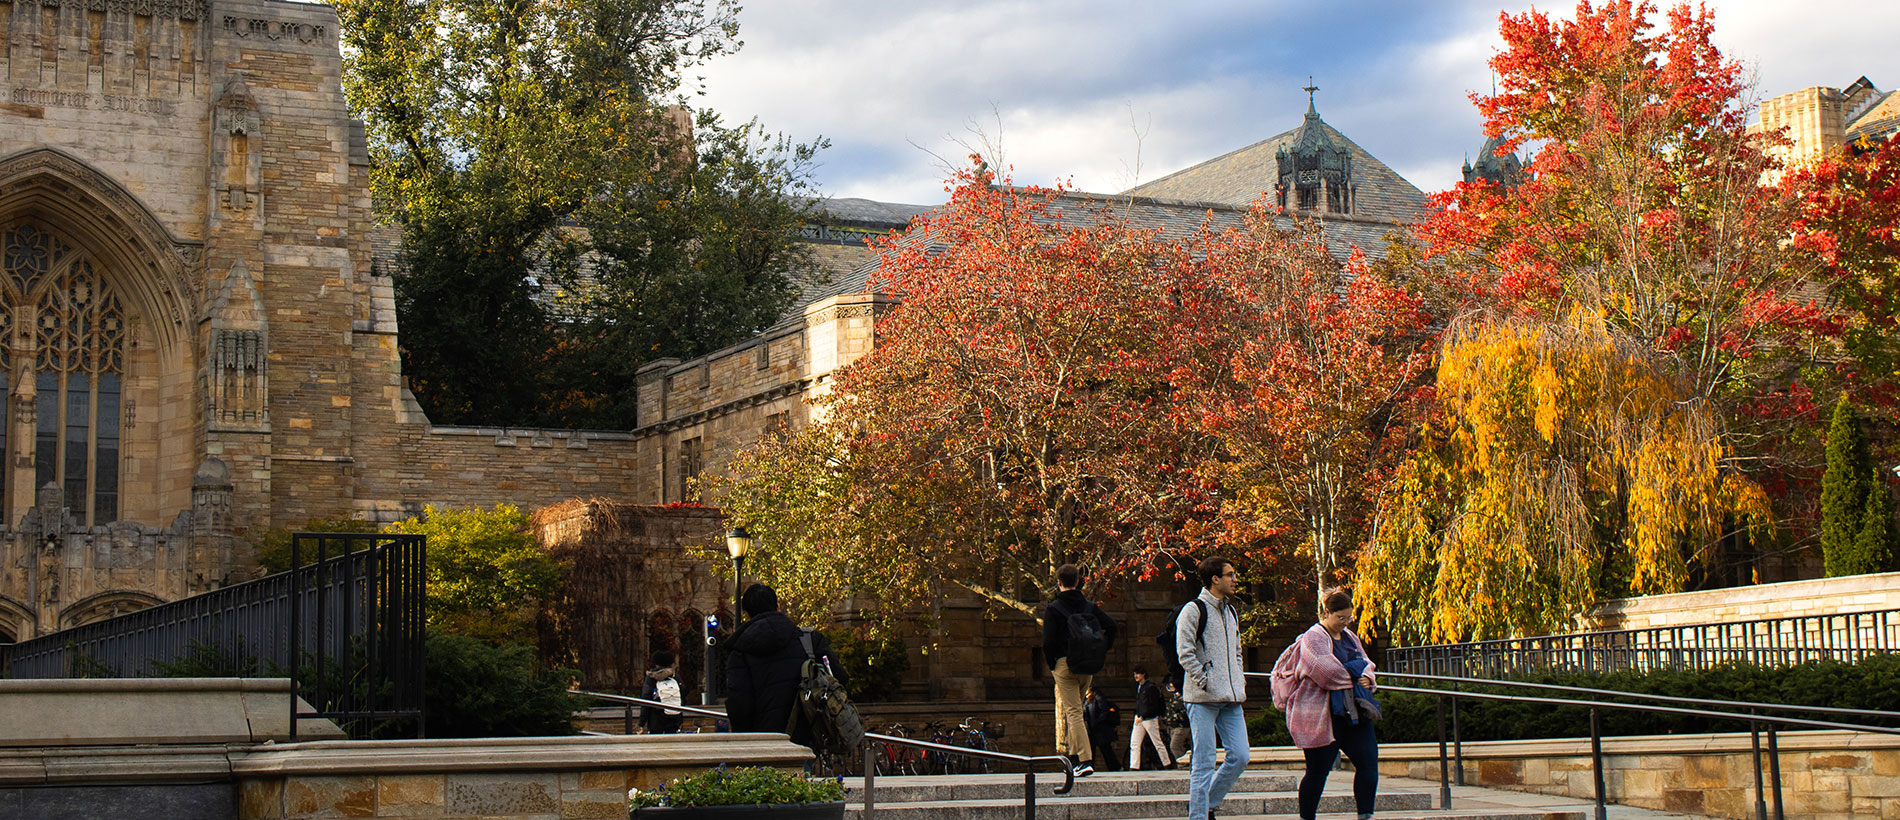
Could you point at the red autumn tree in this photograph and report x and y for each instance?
(1848, 224)
(1015, 413)
(1315, 404)
(1644, 242)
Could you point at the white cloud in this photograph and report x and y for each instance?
(1201, 78)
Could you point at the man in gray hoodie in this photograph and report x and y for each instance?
(1216, 687)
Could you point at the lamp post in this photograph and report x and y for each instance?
(738, 543)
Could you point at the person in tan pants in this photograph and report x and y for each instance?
(1072, 625)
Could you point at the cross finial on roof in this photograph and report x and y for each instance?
(1311, 111)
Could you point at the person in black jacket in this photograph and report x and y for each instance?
(764, 664)
(1149, 704)
(1103, 718)
(1072, 736)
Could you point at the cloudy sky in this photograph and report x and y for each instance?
(1109, 92)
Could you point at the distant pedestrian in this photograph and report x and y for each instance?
(765, 664)
(1102, 717)
(1324, 683)
(1150, 703)
(1216, 686)
(1076, 636)
(663, 685)
(1175, 718)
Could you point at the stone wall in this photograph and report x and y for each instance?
(537, 778)
(1825, 775)
(632, 588)
(1822, 596)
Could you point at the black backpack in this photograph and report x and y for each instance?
(1166, 638)
(1088, 641)
(822, 705)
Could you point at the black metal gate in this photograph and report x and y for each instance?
(345, 625)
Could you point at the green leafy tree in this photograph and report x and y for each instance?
(1856, 513)
(476, 689)
(507, 138)
(486, 575)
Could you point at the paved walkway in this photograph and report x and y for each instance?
(1478, 798)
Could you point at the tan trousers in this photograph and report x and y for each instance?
(1147, 729)
(1072, 736)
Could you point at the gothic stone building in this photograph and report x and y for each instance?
(194, 347)
(197, 345)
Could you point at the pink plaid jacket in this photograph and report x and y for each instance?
(1302, 677)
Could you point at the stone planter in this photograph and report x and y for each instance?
(788, 811)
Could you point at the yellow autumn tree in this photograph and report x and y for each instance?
(1569, 465)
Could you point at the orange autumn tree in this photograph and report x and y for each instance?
(1016, 413)
(1317, 397)
(1627, 311)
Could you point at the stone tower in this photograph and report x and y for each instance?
(1315, 169)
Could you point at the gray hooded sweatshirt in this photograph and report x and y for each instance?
(1214, 673)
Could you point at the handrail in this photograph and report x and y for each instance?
(1762, 640)
(1755, 723)
(1786, 707)
(870, 776)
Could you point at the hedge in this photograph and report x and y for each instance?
(1872, 684)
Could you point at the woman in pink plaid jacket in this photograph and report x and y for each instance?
(1305, 679)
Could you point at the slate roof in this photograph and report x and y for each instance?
(1237, 178)
(836, 238)
(1173, 219)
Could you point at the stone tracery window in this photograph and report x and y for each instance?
(63, 356)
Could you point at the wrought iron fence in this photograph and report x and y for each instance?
(1764, 642)
(346, 627)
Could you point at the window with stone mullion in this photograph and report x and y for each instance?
(77, 333)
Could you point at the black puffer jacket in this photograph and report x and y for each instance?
(764, 663)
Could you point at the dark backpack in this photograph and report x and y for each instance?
(1166, 638)
(821, 704)
(1088, 641)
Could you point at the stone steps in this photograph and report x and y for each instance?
(1139, 796)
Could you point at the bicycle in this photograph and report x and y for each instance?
(896, 758)
(977, 736)
(937, 761)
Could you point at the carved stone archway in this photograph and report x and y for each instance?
(105, 605)
(16, 621)
(157, 273)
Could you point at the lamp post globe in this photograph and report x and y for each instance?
(738, 543)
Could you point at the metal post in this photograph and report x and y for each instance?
(1444, 760)
(870, 782)
(1774, 768)
(1596, 761)
(1761, 801)
(296, 630)
(629, 720)
(738, 595)
(1457, 742)
(1029, 795)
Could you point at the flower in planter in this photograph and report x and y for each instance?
(739, 787)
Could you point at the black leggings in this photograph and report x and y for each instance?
(1362, 748)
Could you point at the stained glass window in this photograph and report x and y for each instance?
(60, 315)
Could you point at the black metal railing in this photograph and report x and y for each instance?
(1450, 746)
(346, 628)
(1764, 642)
(869, 750)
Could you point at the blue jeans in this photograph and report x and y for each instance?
(1207, 787)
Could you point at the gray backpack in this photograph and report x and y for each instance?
(821, 704)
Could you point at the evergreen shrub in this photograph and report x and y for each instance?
(1871, 684)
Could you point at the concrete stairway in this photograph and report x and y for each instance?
(1139, 796)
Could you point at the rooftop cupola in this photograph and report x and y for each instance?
(1315, 167)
